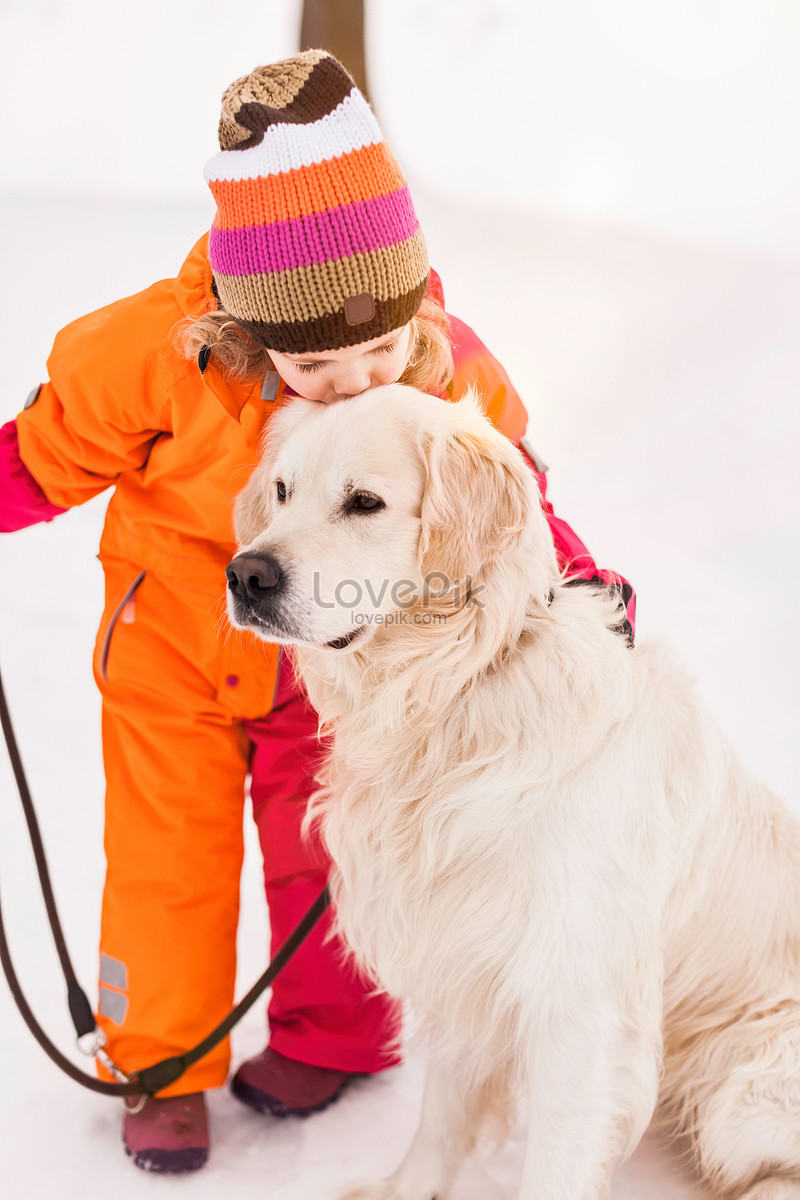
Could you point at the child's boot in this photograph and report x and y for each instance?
(168, 1134)
(287, 1088)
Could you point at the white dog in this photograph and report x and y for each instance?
(540, 838)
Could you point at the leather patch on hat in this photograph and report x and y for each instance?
(358, 309)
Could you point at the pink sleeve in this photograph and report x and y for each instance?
(573, 557)
(22, 501)
(506, 410)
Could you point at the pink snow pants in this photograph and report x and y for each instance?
(322, 1011)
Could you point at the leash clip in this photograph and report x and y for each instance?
(93, 1044)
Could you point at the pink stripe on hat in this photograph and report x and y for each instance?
(324, 237)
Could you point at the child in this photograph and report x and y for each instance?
(314, 280)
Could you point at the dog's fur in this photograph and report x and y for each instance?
(540, 838)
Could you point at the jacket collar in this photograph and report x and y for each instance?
(231, 395)
(194, 295)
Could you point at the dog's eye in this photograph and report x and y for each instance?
(365, 502)
(280, 487)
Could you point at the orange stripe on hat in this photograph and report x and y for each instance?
(359, 175)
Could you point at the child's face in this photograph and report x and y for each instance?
(341, 374)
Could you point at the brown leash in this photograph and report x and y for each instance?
(90, 1038)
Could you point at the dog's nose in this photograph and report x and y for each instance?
(253, 575)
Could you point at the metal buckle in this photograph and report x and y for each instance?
(93, 1046)
(133, 1109)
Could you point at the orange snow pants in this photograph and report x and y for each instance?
(176, 763)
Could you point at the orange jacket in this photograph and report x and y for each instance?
(123, 407)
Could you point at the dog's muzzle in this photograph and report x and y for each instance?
(256, 586)
(254, 581)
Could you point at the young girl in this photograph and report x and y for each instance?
(314, 280)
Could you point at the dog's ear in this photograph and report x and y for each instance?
(481, 503)
(252, 508)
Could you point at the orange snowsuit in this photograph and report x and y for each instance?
(182, 694)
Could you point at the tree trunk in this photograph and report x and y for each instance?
(337, 26)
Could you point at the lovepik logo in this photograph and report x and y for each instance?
(403, 593)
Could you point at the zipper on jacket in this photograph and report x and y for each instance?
(112, 623)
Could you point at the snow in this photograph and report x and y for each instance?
(673, 115)
(661, 378)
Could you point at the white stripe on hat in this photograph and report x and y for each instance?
(286, 147)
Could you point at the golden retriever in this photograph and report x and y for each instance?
(539, 837)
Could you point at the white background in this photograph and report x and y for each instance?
(610, 192)
(681, 117)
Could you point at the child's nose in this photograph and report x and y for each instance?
(352, 381)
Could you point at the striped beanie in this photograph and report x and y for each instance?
(315, 244)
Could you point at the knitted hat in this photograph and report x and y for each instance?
(315, 244)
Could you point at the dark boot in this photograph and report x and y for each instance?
(168, 1135)
(287, 1088)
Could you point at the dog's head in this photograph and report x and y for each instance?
(392, 508)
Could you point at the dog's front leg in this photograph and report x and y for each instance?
(593, 1091)
(445, 1136)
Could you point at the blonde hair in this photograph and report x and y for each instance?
(240, 357)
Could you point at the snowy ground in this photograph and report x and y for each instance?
(662, 382)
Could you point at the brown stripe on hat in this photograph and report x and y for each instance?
(307, 293)
(323, 90)
(276, 84)
(334, 331)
